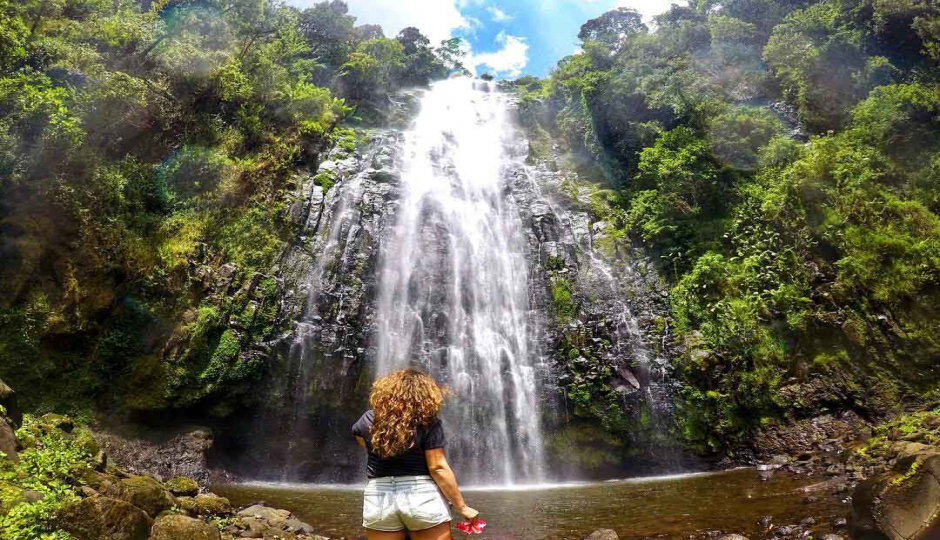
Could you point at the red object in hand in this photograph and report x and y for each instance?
(472, 527)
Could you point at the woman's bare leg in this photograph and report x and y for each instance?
(440, 532)
(382, 535)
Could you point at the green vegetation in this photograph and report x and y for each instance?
(50, 468)
(919, 427)
(781, 161)
(148, 151)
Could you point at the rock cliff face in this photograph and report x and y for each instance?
(596, 312)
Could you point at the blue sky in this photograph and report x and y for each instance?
(507, 37)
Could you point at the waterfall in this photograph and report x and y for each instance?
(453, 294)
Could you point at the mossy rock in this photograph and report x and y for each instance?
(97, 480)
(103, 518)
(143, 492)
(176, 527)
(205, 505)
(58, 421)
(183, 487)
(86, 440)
(28, 442)
(10, 497)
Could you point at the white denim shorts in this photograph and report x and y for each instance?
(396, 503)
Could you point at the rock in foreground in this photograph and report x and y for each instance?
(901, 504)
(602, 534)
(103, 518)
(183, 528)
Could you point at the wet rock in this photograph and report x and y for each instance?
(733, 537)
(840, 523)
(103, 518)
(766, 522)
(175, 527)
(786, 530)
(808, 522)
(183, 487)
(143, 492)
(812, 499)
(263, 520)
(602, 534)
(899, 506)
(832, 537)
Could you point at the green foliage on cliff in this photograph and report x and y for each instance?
(781, 159)
(149, 155)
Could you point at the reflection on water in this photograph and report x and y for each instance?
(670, 507)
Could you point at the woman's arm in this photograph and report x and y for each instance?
(446, 480)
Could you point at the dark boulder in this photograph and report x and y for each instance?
(8, 444)
(103, 518)
(8, 402)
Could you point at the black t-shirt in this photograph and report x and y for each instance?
(411, 462)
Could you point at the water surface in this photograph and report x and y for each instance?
(670, 507)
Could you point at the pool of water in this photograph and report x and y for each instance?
(667, 507)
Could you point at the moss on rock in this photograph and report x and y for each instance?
(183, 487)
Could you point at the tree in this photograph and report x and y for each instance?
(372, 69)
(421, 64)
(369, 31)
(450, 54)
(413, 41)
(612, 27)
(330, 31)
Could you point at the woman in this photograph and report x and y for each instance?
(407, 468)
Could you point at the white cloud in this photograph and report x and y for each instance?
(507, 61)
(499, 15)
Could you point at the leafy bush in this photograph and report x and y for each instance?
(52, 467)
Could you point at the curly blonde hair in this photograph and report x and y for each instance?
(402, 402)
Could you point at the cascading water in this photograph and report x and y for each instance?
(453, 286)
(438, 248)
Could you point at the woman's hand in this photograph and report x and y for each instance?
(468, 513)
